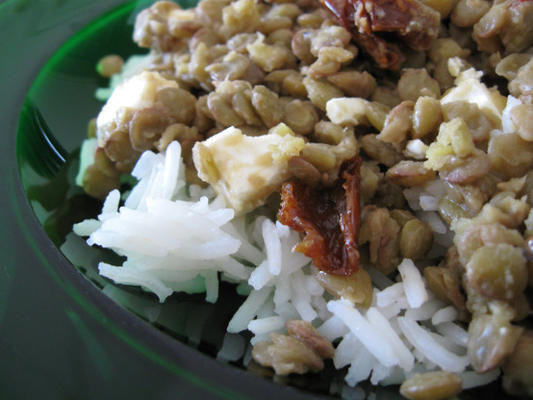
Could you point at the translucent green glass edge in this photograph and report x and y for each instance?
(69, 288)
(108, 323)
(75, 40)
(98, 315)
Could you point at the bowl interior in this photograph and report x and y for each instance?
(52, 125)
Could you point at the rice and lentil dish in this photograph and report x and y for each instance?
(393, 139)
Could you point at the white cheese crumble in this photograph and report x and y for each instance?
(246, 169)
(133, 94)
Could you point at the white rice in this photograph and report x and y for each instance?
(386, 343)
(472, 379)
(265, 325)
(360, 370)
(272, 247)
(433, 220)
(233, 348)
(390, 295)
(446, 314)
(248, 310)
(430, 348)
(86, 227)
(381, 324)
(179, 241)
(131, 276)
(412, 195)
(413, 285)
(161, 232)
(347, 351)
(425, 311)
(349, 393)
(454, 332)
(429, 203)
(372, 339)
(333, 328)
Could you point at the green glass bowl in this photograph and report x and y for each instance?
(65, 332)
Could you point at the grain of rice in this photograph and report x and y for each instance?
(110, 206)
(413, 284)
(301, 298)
(433, 220)
(232, 267)
(211, 286)
(446, 314)
(333, 328)
(233, 347)
(425, 311)
(86, 227)
(283, 292)
(247, 355)
(260, 276)
(448, 344)
(313, 287)
(321, 306)
(257, 232)
(360, 370)
(454, 332)
(390, 295)
(412, 195)
(248, 310)
(130, 276)
(380, 323)
(379, 373)
(347, 351)
(267, 309)
(287, 311)
(166, 275)
(436, 188)
(265, 325)
(260, 338)
(373, 340)
(194, 326)
(247, 250)
(472, 379)
(144, 307)
(391, 310)
(356, 393)
(429, 203)
(272, 247)
(429, 347)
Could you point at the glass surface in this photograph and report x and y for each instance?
(65, 331)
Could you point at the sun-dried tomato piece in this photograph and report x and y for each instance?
(386, 55)
(414, 22)
(330, 219)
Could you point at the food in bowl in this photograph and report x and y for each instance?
(399, 175)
